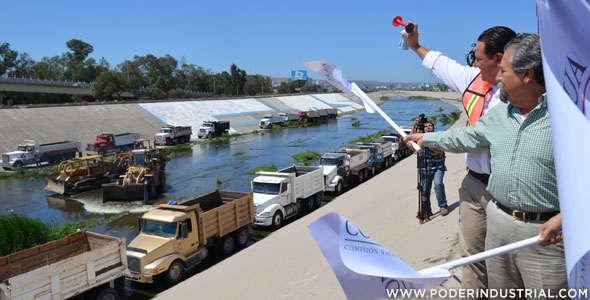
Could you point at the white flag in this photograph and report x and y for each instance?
(564, 27)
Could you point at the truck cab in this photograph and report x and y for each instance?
(336, 168)
(104, 142)
(271, 194)
(164, 137)
(167, 240)
(17, 159)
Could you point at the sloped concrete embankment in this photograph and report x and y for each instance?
(83, 122)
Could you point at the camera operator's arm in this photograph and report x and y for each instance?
(414, 128)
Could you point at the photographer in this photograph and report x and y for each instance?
(432, 169)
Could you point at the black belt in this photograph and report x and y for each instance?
(521, 215)
(481, 177)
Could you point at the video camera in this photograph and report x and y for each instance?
(420, 124)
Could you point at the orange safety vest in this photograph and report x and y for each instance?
(474, 99)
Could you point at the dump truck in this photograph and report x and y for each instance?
(173, 236)
(212, 129)
(169, 135)
(381, 154)
(85, 264)
(31, 152)
(268, 121)
(83, 174)
(332, 112)
(144, 178)
(400, 149)
(287, 117)
(344, 169)
(110, 142)
(309, 116)
(283, 194)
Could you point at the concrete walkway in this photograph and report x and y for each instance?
(288, 264)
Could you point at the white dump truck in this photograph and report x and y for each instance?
(84, 264)
(400, 149)
(268, 121)
(289, 117)
(283, 194)
(173, 135)
(345, 168)
(211, 129)
(28, 153)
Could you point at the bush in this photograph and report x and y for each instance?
(307, 157)
(264, 168)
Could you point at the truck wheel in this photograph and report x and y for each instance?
(339, 188)
(308, 203)
(395, 157)
(319, 197)
(277, 219)
(18, 165)
(107, 294)
(372, 171)
(227, 245)
(242, 237)
(174, 273)
(146, 195)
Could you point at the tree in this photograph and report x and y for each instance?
(238, 78)
(312, 88)
(24, 66)
(257, 84)
(7, 58)
(108, 86)
(80, 50)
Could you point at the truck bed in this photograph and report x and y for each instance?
(219, 212)
(63, 268)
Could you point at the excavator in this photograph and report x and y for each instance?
(144, 178)
(85, 173)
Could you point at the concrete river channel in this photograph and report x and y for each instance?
(206, 168)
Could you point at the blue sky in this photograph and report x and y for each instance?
(262, 37)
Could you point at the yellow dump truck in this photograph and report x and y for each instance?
(177, 236)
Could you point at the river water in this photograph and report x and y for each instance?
(208, 167)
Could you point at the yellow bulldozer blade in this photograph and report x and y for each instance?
(129, 192)
(56, 186)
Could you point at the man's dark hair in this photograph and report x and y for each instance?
(495, 39)
(429, 122)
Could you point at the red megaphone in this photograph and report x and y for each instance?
(397, 21)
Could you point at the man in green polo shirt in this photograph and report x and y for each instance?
(522, 181)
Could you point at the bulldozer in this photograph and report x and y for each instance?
(144, 178)
(83, 174)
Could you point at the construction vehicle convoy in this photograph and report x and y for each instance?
(169, 135)
(145, 176)
(32, 152)
(283, 194)
(83, 264)
(211, 129)
(110, 142)
(173, 236)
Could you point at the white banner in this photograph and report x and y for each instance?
(366, 270)
(564, 27)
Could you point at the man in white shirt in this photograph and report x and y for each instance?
(480, 93)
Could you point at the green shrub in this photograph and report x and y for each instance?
(307, 157)
(264, 168)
